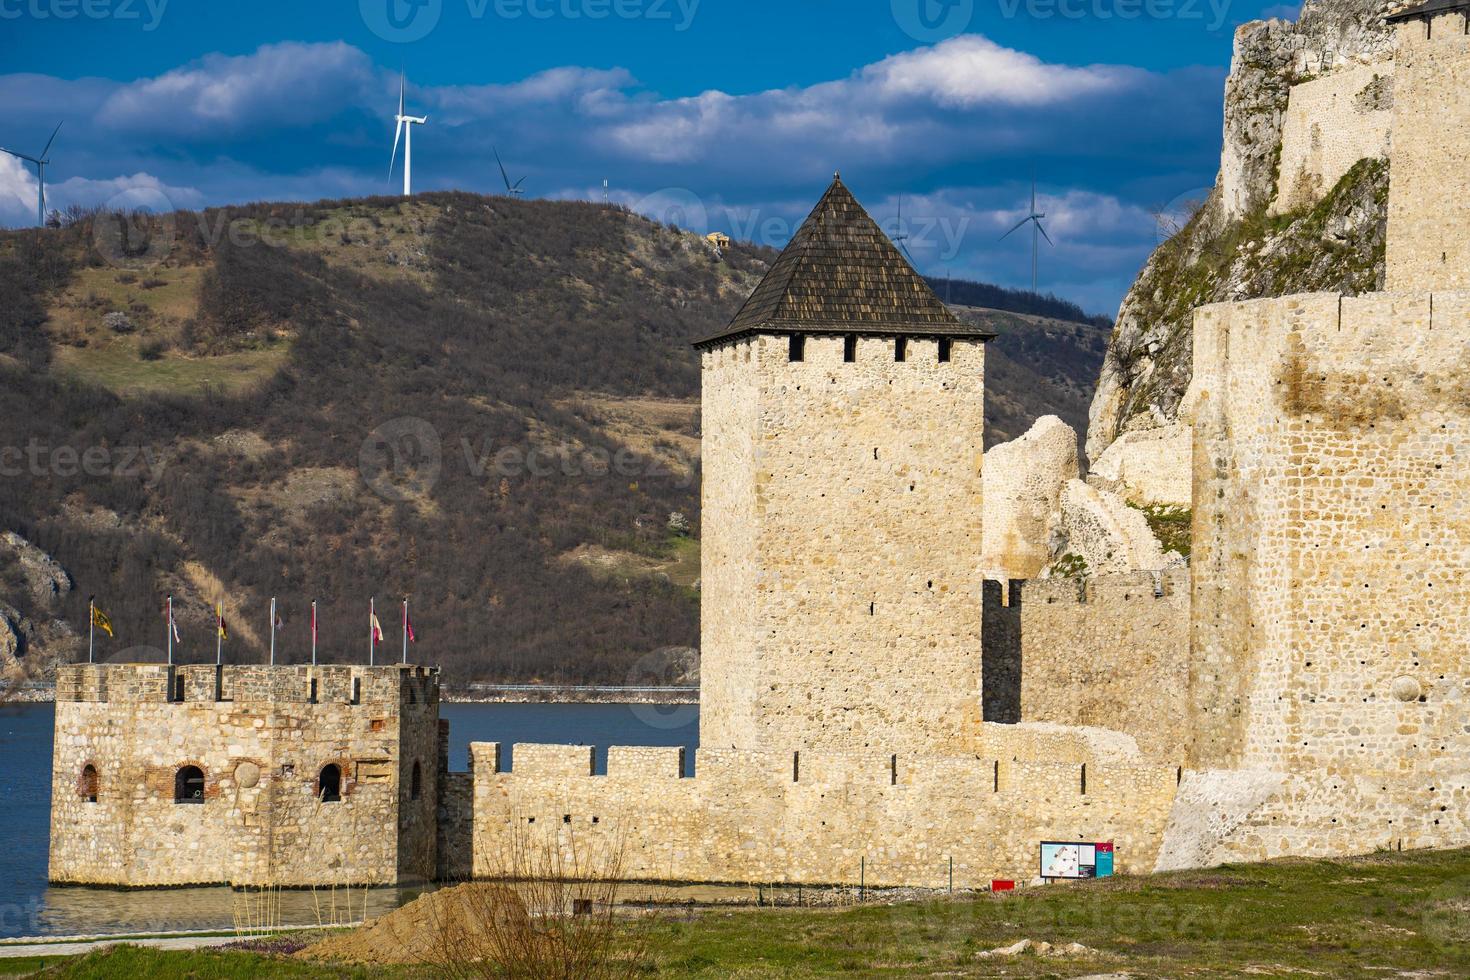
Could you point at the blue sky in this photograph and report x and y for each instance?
(722, 114)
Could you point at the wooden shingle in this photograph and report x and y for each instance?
(841, 275)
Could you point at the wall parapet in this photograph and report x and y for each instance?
(283, 684)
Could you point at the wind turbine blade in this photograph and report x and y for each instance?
(402, 85)
(519, 183)
(51, 140)
(503, 175)
(20, 156)
(394, 158)
(1045, 235)
(906, 252)
(1019, 225)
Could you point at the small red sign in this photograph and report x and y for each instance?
(1105, 848)
(1002, 885)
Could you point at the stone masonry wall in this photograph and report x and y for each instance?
(811, 817)
(261, 741)
(1429, 181)
(845, 563)
(1332, 539)
(1084, 648)
(1330, 124)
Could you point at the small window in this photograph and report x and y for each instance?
(189, 785)
(357, 690)
(849, 348)
(178, 687)
(87, 788)
(329, 784)
(901, 349)
(943, 350)
(416, 784)
(797, 350)
(312, 696)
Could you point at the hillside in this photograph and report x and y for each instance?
(485, 404)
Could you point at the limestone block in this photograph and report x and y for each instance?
(1152, 466)
(1099, 527)
(1023, 488)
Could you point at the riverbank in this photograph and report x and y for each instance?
(1400, 914)
(44, 693)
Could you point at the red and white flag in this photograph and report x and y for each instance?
(168, 616)
(313, 624)
(408, 624)
(377, 629)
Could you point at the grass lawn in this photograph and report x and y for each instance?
(1383, 916)
(118, 367)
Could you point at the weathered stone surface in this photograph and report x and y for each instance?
(1098, 527)
(1148, 466)
(1023, 488)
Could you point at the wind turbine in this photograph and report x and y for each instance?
(41, 163)
(1035, 218)
(900, 236)
(405, 130)
(514, 190)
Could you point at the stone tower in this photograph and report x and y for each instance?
(1429, 183)
(244, 775)
(843, 417)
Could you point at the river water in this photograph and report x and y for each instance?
(30, 907)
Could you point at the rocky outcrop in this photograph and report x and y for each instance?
(1023, 482)
(1099, 533)
(1148, 466)
(1228, 250)
(47, 580)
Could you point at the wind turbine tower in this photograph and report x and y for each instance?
(41, 162)
(1034, 217)
(404, 129)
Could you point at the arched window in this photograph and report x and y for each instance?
(87, 788)
(189, 785)
(416, 786)
(329, 784)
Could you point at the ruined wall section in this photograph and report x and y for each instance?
(810, 817)
(261, 736)
(853, 619)
(1429, 182)
(1330, 124)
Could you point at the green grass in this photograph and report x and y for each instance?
(1171, 524)
(118, 367)
(1376, 916)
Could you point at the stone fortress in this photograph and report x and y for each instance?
(891, 693)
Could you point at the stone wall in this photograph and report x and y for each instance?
(1330, 124)
(809, 816)
(261, 736)
(1111, 652)
(1147, 466)
(841, 581)
(1332, 539)
(1429, 181)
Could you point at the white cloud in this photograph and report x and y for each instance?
(278, 86)
(971, 70)
(139, 190)
(17, 192)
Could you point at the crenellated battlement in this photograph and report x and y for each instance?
(296, 684)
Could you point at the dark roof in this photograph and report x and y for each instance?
(1427, 9)
(841, 275)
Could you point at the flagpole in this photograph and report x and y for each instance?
(169, 629)
(405, 629)
(219, 634)
(372, 614)
(91, 627)
(313, 632)
(273, 631)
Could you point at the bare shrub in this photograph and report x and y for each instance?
(551, 913)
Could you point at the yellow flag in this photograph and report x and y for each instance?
(219, 614)
(100, 620)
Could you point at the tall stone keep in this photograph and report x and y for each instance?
(1429, 183)
(843, 419)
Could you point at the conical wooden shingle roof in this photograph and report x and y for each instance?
(840, 274)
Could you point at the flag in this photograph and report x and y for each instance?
(377, 629)
(168, 616)
(219, 615)
(408, 625)
(100, 619)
